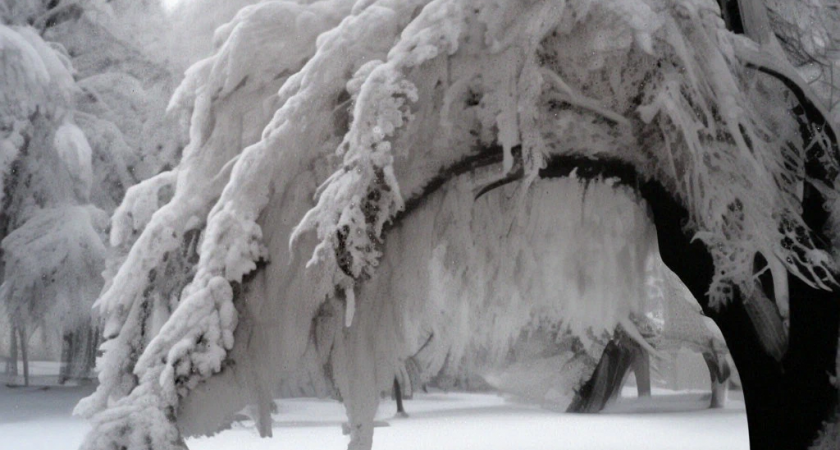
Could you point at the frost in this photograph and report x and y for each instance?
(53, 249)
(75, 152)
(140, 203)
(53, 263)
(320, 215)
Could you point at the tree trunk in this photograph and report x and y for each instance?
(605, 384)
(92, 346)
(66, 357)
(11, 365)
(23, 352)
(78, 355)
(786, 401)
(399, 398)
(641, 369)
(718, 375)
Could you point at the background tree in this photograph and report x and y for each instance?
(50, 265)
(107, 106)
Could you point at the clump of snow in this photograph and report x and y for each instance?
(74, 150)
(218, 133)
(53, 264)
(136, 210)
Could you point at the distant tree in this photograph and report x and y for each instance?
(52, 237)
(105, 106)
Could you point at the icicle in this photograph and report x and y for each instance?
(350, 310)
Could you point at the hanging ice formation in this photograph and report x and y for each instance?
(395, 116)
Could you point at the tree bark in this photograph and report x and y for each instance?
(78, 353)
(718, 375)
(605, 384)
(786, 401)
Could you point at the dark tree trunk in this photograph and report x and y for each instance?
(605, 384)
(398, 396)
(786, 401)
(90, 354)
(66, 358)
(78, 354)
(731, 15)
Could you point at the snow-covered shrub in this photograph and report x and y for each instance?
(387, 112)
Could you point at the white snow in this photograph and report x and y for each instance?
(37, 419)
(661, 90)
(440, 421)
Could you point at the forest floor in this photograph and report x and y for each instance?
(39, 419)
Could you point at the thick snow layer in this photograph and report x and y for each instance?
(52, 265)
(35, 419)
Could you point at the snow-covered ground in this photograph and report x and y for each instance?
(38, 419)
(35, 418)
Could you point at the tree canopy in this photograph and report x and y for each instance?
(358, 172)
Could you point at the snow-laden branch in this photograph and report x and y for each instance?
(395, 119)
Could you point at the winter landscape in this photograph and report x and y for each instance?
(419, 224)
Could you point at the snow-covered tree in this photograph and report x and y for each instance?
(106, 107)
(52, 236)
(434, 137)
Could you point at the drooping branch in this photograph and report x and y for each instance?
(557, 166)
(820, 138)
(484, 157)
(811, 118)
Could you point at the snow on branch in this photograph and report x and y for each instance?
(309, 147)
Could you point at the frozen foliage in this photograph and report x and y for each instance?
(73, 136)
(223, 123)
(53, 250)
(36, 87)
(683, 322)
(56, 256)
(193, 24)
(122, 85)
(125, 81)
(809, 32)
(368, 106)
